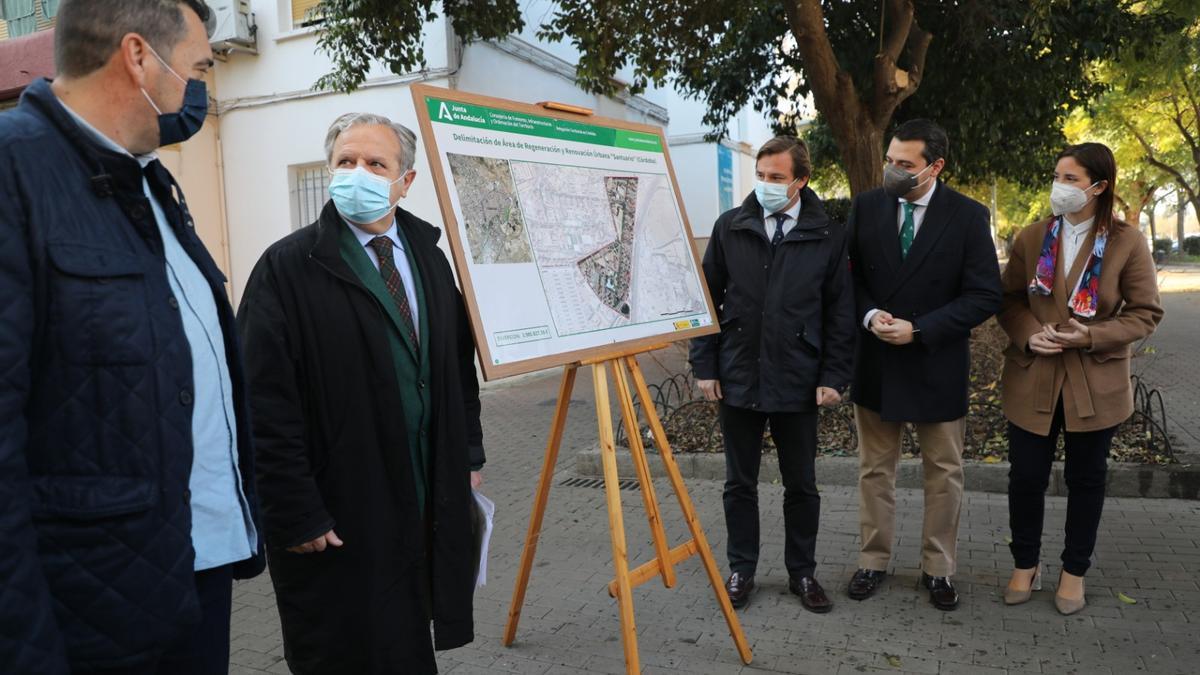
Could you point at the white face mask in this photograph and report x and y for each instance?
(1066, 198)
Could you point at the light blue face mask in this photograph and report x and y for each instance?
(361, 196)
(772, 196)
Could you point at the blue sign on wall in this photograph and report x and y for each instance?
(724, 178)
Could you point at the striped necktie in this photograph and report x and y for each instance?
(395, 284)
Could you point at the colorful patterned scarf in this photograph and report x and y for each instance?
(1083, 302)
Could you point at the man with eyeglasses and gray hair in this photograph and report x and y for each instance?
(366, 420)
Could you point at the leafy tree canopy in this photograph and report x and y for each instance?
(1000, 75)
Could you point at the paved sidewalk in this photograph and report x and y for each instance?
(1173, 367)
(1147, 550)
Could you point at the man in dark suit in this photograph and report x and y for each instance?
(925, 274)
(777, 269)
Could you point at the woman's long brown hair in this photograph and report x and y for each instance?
(1098, 161)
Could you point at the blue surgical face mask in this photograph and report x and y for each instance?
(361, 196)
(177, 127)
(772, 196)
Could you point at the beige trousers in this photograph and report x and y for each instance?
(879, 454)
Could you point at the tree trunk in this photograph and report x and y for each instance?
(857, 122)
(1180, 215)
(862, 157)
(1153, 226)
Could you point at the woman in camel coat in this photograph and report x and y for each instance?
(1080, 290)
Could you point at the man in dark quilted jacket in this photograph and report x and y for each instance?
(127, 503)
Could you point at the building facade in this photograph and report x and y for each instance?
(257, 169)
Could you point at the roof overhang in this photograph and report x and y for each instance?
(25, 59)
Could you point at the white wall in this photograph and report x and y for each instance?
(288, 61)
(262, 144)
(696, 170)
(271, 121)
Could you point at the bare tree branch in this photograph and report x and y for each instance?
(888, 91)
(1183, 80)
(901, 14)
(1177, 120)
(1180, 179)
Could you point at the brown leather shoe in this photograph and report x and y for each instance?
(739, 586)
(812, 596)
(864, 583)
(941, 592)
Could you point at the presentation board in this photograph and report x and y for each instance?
(568, 231)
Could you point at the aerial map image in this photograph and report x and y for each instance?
(610, 247)
(609, 270)
(491, 214)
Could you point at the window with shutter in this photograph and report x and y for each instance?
(310, 190)
(20, 16)
(306, 13)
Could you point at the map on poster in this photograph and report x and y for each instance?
(571, 234)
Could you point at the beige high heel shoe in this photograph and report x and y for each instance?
(1068, 606)
(1012, 597)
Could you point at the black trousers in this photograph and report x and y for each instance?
(795, 437)
(204, 650)
(1030, 457)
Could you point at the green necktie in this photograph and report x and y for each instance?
(907, 230)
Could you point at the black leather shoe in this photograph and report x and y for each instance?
(941, 592)
(812, 596)
(864, 583)
(738, 586)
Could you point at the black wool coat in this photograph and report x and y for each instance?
(948, 284)
(787, 321)
(332, 453)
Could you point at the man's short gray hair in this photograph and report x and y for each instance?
(408, 140)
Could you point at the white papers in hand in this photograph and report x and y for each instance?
(484, 535)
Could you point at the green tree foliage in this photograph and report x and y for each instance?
(1000, 75)
(357, 32)
(1150, 112)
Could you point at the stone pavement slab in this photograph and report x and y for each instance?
(1147, 550)
(1171, 364)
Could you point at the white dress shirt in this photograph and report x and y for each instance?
(401, 259)
(1072, 239)
(922, 205)
(1073, 236)
(793, 215)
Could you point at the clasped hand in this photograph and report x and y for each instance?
(711, 389)
(1052, 340)
(890, 329)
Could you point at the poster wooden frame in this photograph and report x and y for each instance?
(420, 93)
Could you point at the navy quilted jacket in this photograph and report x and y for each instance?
(95, 403)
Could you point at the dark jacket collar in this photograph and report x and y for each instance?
(103, 164)
(812, 213)
(326, 249)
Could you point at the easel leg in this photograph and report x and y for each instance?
(689, 511)
(637, 452)
(539, 501)
(612, 491)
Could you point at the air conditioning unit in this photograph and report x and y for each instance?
(231, 25)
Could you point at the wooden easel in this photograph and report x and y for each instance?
(665, 559)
